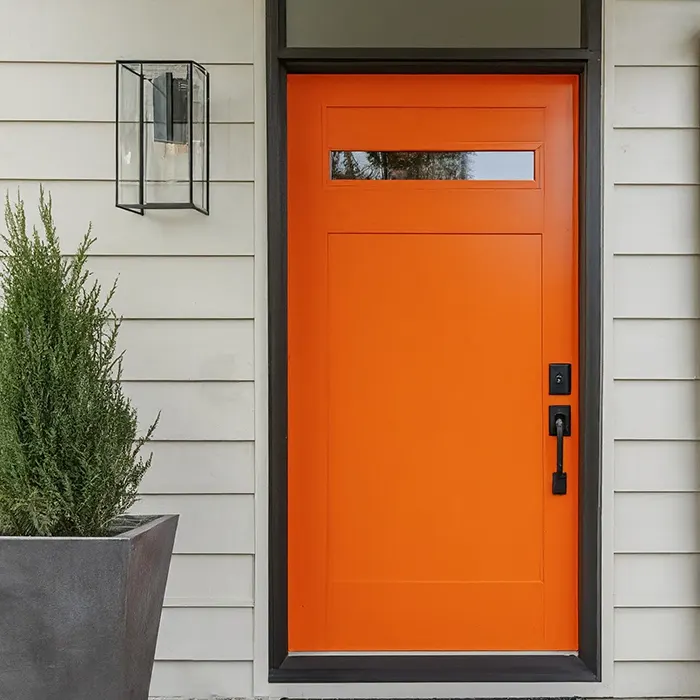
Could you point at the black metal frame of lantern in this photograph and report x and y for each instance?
(172, 124)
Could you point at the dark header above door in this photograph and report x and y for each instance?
(509, 24)
(511, 30)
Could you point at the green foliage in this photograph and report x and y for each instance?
(69, 450)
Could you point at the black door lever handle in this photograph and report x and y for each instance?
(559, 427)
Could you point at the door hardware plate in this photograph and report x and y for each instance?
(565, 412)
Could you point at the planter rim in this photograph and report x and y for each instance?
(141, 524)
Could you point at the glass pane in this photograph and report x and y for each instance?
(432, 165)
(167, 132)
(199, 138)
(129, 133)
(434, 23)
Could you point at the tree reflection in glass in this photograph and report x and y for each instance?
(401, 165)
(433, 165)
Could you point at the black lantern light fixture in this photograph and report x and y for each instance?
(162, 128)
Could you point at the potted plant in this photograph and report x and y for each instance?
(81, 582)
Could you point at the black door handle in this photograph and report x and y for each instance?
(559, 427)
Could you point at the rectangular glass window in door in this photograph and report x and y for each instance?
(491, 166)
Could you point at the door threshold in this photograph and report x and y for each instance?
(454, 668)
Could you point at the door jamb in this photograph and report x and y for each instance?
(281, 61)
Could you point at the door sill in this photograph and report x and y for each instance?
(488, 668)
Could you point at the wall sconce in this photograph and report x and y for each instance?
(162, 128)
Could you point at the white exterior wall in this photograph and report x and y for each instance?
(653, 229)
(192, 290)
(186, 288)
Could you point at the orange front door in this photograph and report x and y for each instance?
(432, 258)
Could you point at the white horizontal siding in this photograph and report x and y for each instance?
(195, 410)
(656, 96)
(665, 465)
(203, 679)
(213, 31)
(657, 580)
(85, 151)
(656, 156)
(228, 230)
(657, 634)
(209, 524)
(84, 92)
(178, 287)
(199, 467)
(655, 404)
(656, 286)
(657, 679)
(657, 523)
(208, 580)
(656, 410)
(205, 634)
(657, 349)
(188, 350)
(656, 33)
(661, 219)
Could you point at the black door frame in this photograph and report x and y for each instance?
(585, 62)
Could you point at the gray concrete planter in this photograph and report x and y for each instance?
(79, 617)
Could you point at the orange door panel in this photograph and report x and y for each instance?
(432, 257)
